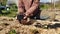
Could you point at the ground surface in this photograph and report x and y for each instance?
(38, 27)
(6, 24)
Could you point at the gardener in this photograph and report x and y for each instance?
(29, 8)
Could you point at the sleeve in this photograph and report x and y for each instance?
(20, 6)
(33, 7)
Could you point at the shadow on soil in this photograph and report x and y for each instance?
(54, 26)
(57, 25)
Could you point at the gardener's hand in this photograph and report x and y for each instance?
(27, 15)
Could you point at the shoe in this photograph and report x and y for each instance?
(44, 17)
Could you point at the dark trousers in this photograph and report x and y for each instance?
(36, 15)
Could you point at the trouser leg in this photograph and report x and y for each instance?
(39, 16)
(36, 16)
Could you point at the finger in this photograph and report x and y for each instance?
(25, 17)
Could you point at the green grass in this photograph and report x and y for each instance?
(11, 13)
(12, 32)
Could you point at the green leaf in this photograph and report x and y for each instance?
(12, 32)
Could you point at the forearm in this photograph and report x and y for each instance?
(20, 10)
(20, 7)
(33, 7)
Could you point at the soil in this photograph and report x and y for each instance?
(6, 24)
(50, 26)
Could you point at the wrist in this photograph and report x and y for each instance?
(27, 14)
(20, 13)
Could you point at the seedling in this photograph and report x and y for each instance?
(12, 32)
